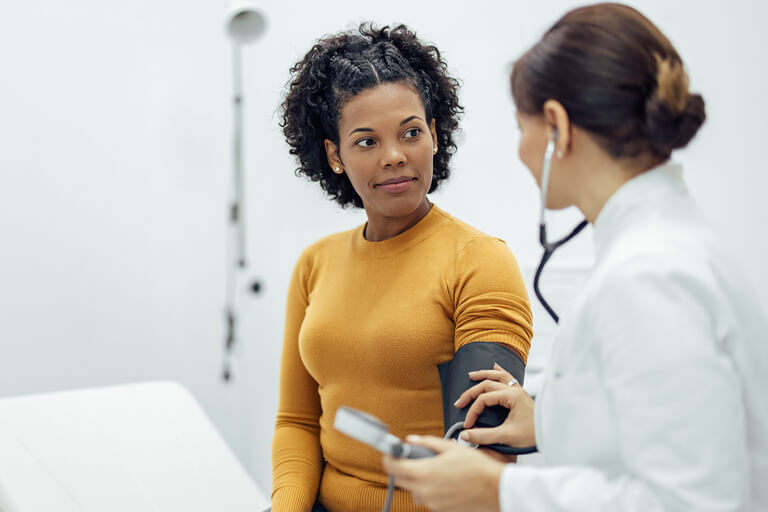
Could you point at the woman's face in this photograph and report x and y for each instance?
(534, 136)
(386, 149)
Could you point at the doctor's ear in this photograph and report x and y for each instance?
(558, 126)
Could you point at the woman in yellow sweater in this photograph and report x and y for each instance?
(373, 311)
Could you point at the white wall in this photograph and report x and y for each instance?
(114, 177)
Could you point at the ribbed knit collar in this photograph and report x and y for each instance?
(634, 200)
(432, 222)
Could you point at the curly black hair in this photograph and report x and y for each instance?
(339, 67)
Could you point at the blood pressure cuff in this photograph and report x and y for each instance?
(454, 380)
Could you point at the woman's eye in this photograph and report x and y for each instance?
(413, 132)
(366, 143)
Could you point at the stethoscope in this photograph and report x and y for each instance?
(549, 247)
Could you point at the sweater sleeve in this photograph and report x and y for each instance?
(297, 459)
(491, 302)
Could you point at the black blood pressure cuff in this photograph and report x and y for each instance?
(454, 380)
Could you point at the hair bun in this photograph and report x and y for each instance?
(672, 114)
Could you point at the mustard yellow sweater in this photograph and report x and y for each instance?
(367, 323)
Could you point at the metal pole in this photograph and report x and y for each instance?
(236, 237)
(238, 160)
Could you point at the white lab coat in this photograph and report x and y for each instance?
(656, 394)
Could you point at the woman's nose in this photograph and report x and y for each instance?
(393, 156)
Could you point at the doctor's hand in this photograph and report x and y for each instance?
(498, 387)
(457, 479)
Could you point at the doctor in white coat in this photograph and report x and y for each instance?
(655, 398)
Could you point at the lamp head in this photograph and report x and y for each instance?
(245, 23)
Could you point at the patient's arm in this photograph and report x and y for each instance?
(297, 460)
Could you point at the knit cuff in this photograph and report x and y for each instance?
(293, 499)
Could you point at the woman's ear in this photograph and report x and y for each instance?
(557, 118)
(332, 154)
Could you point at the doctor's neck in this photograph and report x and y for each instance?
(596, 175)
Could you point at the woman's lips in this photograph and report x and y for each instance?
(396, 185)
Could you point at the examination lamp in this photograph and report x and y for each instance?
(244, 24)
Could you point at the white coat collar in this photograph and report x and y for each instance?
(633, 198)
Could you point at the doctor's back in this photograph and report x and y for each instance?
(660, 366)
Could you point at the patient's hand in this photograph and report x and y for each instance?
(517, 429)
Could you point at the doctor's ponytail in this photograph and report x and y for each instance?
(672, 114)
